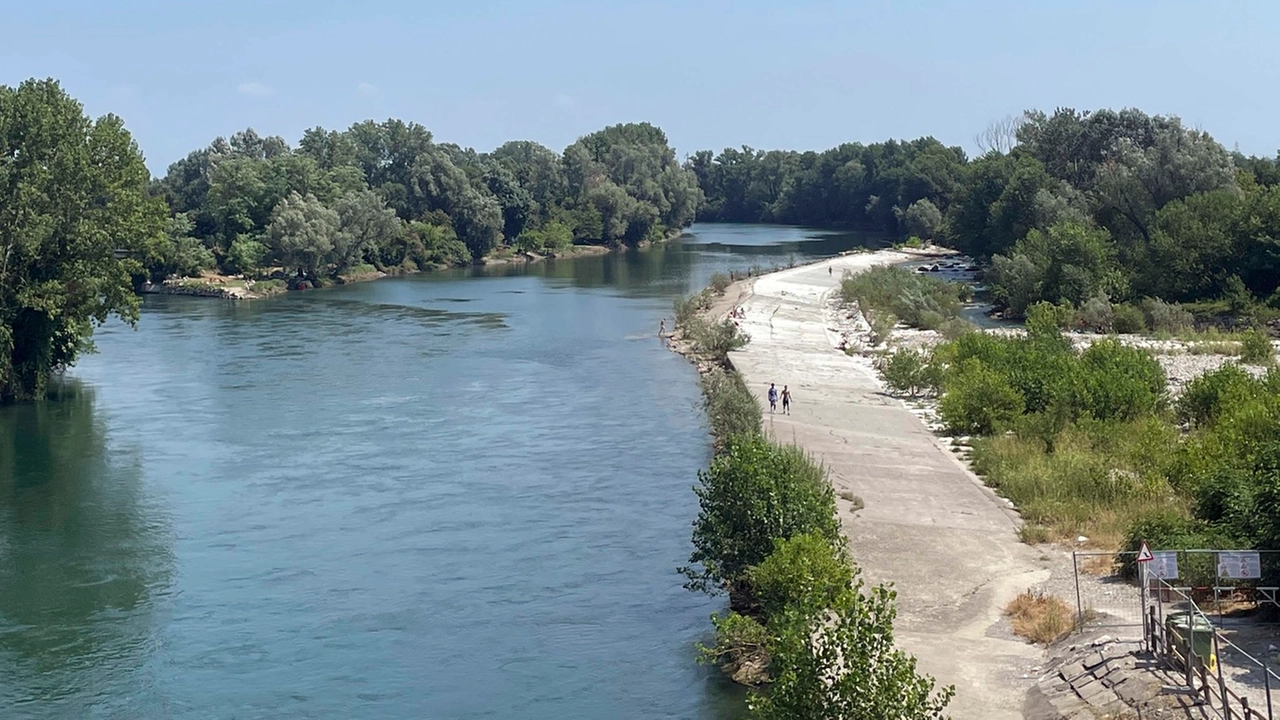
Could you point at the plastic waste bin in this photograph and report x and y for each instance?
(1179, 625)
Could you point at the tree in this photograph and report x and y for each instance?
(73, 191)
(301, 234)
(1066, 263)
(922, 219)
(364, 222)
(753, 494)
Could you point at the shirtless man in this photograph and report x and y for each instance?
(786, 400)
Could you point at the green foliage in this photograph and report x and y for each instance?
(839, 660)
(1206, 397)
(73, 191)
(1170, 529)
(911, 372)
(245, 255)
(1165, 317)
(802, 571)
(1121, 382)
(1090, 478)
(554, 235)
(731, 409)
(1047, 319)
(1096, 314)
(922, 219)
(979, 400)
(720, 282)
(1067, 263)
(754, 493)
(739, 638)
(1256, 347)
(915, 299)
(1128, 319)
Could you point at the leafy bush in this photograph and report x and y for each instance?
(979, 401)
(1171, 529)
(913, 242)
(909, 296)
(731, 409)
(1256, 347)
(716, 339)
(802, 570)
(687, 308)
(246, 254)
(882, 324)
(910, 372)
(1166, 317)
(741, 642)
(841, 661)
(1128, 319)
(270, 287)
(754, 493)
(1122, 382)
(955, 327)
(1205, 397)
(1045, 318)
(720, 282)
(1095, 313)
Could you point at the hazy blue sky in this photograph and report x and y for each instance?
(798, 74)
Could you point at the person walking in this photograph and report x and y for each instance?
(662, 328)
(786, 400)
(773, 397)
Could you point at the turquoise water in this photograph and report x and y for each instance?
(455, 495)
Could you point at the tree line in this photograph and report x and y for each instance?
(387, 195)
(1066, 206)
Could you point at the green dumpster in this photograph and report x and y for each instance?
(1178, 626)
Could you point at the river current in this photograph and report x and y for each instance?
(451, 495)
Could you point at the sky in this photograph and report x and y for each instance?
(790, 74)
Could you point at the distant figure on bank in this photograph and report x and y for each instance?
(773, 397)
(662, 328)
(786, 400)
(828, 269)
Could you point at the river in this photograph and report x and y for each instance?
(452, 495)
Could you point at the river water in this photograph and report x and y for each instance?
(454, 495)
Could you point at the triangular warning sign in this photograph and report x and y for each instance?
(1144, 553)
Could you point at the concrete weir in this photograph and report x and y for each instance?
(929, 526)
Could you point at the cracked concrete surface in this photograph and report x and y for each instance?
(929, 525)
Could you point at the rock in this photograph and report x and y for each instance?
(1082, 539)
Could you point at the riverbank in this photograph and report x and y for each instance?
(913, 513)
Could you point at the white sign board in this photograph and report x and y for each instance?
(1164, 566)
(1239, 565)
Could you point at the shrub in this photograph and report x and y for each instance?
(720, 282)
(882, 324)
(955, 327)
(1128, 319)
(1171, 529)
(1256, 347)
(908, 295)
(841, 661)
(687, 308)
(1165, 317)
(913, 242)
(753, 494)
(1205, 397)
(1122, 382)
(979, 401)
(904, 371)
(741, 648)
(1045, 317)
(802, 570)
(716, 339)
(731, 409)
(1095, 313)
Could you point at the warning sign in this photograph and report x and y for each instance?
(1165, 566)
(1239, 565)
(1144, 553)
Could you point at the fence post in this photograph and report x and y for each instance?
(1266, 680)
(1188, 656)
(1244, 707)
(1222, 682)
(1204, 685)
(1075, 570)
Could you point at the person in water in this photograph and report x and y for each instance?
(786, 400)
(662, 328)
(773, 397)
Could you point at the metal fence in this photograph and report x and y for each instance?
(1107, 590)
(1176, 629)
(1224, 583)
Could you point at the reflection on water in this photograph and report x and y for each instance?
(454, 495)
(84, 555)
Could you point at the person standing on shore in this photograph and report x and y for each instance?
(773, 397)
(786, 400)
(662, 328)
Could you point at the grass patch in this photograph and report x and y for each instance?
(270, 287)
(1214, 347)
(1095, 481)
(1040, 618)
(731, 408)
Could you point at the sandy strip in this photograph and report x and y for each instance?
(929, 526)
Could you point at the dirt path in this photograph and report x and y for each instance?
(929, 525)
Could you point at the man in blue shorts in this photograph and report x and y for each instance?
(773, 397)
